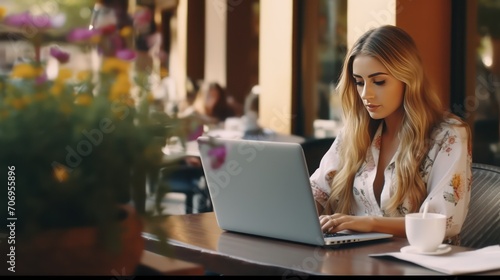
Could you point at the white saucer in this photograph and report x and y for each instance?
(442, 249)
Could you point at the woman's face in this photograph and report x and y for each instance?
(381, 93)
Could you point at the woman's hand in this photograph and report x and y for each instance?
(337, 222)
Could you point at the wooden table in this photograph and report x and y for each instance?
(197, 238)
(155, 264)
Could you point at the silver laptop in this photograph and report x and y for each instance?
(263, 189)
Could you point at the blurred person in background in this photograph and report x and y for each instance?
(212, 106)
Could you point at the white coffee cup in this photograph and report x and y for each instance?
(425, 234)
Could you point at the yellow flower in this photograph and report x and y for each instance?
(118, 94)
(3, 11)
(83, 75)
(150, 98)
(27, 99)
(17, 103)
(123, 78)
(57, 89)
(456, 183)
(163, 72)
(83, 99)
(65, 108)
(108, 65)
(126, 31)
(25, 71)
(121, 87)
(64, 74)
(113, 64)
(61, 174)
(95, 39)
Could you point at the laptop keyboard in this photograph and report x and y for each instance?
(335, 234)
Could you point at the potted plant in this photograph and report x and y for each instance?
(74, 151)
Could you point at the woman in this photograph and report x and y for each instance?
(217, 106)
(398, 147)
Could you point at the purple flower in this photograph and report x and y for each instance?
(125, 54)
(116, 41)
(217, 152)
(59, 54)
(81, 34)
(218, 156)
(195, 133)
(17, 20)
(42, 79)
(39, 21)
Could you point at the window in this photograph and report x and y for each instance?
(324, 46)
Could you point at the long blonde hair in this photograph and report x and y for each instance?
(397, 51)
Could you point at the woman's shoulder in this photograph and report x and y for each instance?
(451, 125)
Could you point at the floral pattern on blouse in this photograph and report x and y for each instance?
(377, 143)
(448, 143)
(329, 177)
(320, 196)
(446, 172)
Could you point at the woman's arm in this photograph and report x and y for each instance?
(450, 177)
(321, 178)
(338, 222)
(393, 225)
(319, 207)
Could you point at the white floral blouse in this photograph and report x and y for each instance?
(446, 171)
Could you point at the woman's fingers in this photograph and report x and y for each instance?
(329, 222)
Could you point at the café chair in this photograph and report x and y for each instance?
(185, 179)
(482, 224)
(314, 150)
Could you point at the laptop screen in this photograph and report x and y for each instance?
(261, 188)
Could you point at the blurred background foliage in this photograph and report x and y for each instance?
(78, 12)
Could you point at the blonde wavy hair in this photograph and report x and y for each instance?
(397, 51)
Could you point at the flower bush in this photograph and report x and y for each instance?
(81, 143)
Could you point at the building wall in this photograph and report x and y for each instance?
(215, 41)
(276, 65)
(242, 49)
(429, 23)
